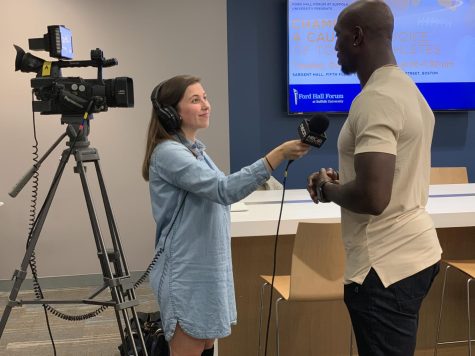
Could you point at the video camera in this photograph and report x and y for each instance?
(71, 96)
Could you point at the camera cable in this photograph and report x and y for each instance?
(33, 221)
(34, 199)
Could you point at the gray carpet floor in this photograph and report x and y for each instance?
(26, 332)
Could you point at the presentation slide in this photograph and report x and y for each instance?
(434, 42)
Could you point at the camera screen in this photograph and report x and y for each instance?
(66, 42)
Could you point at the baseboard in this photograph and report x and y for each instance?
(77, 281)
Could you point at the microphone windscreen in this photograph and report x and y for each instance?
(318, 123)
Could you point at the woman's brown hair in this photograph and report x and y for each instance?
(170, 94)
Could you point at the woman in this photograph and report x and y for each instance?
(190, 199)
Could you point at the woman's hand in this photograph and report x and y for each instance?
(290, 150)
(294, 149)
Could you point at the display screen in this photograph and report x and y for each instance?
(66, 42)
(433, 41)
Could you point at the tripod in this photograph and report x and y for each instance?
(112, 261)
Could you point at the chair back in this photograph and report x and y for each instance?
(318, 262)
(448, 175)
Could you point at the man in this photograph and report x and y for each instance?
(384, 145)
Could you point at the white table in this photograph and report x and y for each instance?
(450, 205)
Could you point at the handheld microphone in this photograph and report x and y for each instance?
(312, 132)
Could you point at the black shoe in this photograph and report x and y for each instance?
(209, 352)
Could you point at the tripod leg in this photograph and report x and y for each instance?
(114, 281)
(113, 256)
(20, 275)
(120, 263)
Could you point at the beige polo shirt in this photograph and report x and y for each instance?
(390, 115)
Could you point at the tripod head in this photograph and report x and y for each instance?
(76, 130)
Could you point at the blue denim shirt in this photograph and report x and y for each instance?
(193, 278)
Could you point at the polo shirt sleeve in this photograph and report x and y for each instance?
(377, 125)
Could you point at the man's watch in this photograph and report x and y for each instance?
(320, 194)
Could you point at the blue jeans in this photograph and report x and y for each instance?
(385, 320)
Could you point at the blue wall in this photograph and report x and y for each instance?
(258, 118)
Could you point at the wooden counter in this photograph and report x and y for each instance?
(324, 328)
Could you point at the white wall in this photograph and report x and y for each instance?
(152, 40)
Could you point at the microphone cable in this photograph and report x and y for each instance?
(276, 239)
(160, 250)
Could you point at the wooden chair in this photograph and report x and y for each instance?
(317, 268)
(468, 268)
(453, 175)
(448, 175)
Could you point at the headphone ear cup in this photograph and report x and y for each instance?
(167, 115)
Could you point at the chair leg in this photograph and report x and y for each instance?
(439, 321)
(277, 341)
(261, 312)
(468, 317)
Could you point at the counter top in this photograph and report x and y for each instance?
(450, 205)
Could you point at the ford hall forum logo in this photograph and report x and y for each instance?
(296, 96)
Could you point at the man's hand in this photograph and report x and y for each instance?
(316, 181)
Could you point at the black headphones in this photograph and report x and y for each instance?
(167, 115)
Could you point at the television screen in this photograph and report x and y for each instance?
(434, 42)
